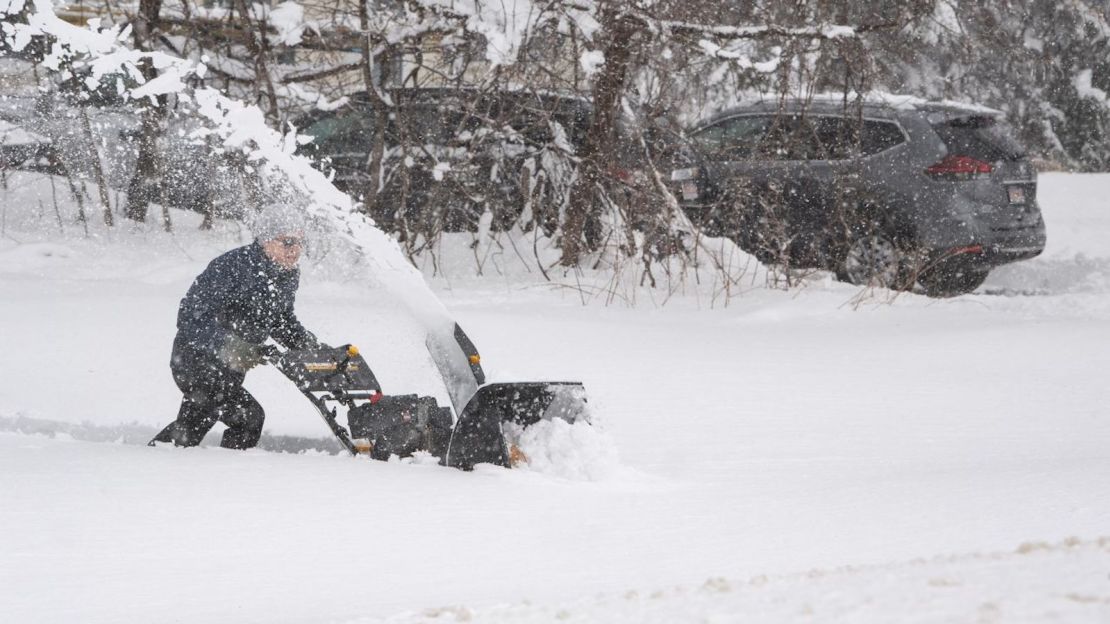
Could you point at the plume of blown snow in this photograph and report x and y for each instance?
(576, 451)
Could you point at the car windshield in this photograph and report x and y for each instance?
(349, 128)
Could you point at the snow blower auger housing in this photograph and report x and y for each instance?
(381, 426)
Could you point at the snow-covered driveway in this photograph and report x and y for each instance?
(921, 442)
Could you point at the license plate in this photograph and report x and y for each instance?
(689, 190)
(1017, 194)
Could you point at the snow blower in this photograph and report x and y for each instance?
(381, 426)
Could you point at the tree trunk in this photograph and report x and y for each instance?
(619, 32)
(380, 108)
(98, 169)
(145, 177)
(259, 47)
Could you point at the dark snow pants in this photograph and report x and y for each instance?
(211, 392)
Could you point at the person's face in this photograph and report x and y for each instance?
(285, 250)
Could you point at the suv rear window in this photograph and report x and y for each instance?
(793, 137)
(981, 137)
(734, 138)
(880, 136)
(763, 137)
(845, 137)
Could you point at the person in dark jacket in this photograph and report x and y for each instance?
(242, 299)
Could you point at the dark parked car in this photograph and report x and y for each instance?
(451, 154)
(890, 193)
(21, 149)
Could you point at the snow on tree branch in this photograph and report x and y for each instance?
(1090, 15)
(823, 31)
(239, 126)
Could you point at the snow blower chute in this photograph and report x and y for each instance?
(382, 425)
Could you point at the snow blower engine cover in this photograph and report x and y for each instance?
(401, 425)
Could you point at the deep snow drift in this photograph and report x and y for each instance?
(904, 449)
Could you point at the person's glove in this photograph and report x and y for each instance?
(268, 353)
(241, 356)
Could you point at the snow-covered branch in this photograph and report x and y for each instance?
(822, 31)
(237, 126)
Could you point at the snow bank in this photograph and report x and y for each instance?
(1076, 258)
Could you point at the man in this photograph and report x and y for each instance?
(243, 298)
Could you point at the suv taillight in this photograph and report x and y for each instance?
(959, 168)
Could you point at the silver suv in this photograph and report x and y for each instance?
(895, 192)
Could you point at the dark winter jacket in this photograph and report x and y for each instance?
(245, 293)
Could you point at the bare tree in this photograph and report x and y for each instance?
(140, 191)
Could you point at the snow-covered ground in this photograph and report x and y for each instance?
(794, 456)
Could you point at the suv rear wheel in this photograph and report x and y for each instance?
(873, 256)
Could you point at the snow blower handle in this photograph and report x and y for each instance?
(351, 351)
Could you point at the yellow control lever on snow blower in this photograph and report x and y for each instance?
(352, 351)
(474, 359)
